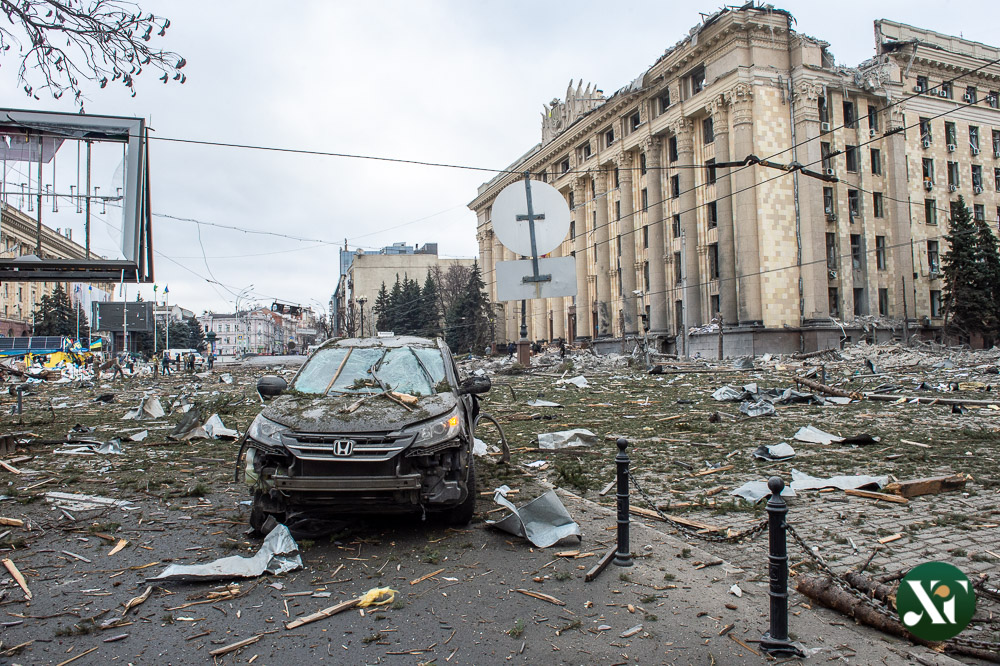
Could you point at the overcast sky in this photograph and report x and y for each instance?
(459, 82)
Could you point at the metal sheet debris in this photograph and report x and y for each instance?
(543, 521)
(216, 430)
(74, 502)
(803, 481)
(113, 446)
(755, 491)
(816, 436)
(277, 555)
(759, 408)
(543, 403)
(579, 381)
(775, 452)
(149, 408)
(566, 438)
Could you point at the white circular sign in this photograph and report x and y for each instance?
(510, 223)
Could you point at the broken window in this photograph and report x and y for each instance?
(850, 115)
(708, 130)
(883, 301)
(880, 253)
(834, 302)
(710, 172)
(713, 261)
(854, 204)
(634, 121)
(676, 226)
(974, 139)
(713, 215)
(935, 302)
(872, 118)
(977, 178)
(876, 162)
(930, 211)
(831, 250)
(851, 156)
(675, 186)
(933, 257)
(609, 136)
(697, 79)
(925, 130)
(664, 100)
(878, 207)
(856, 258)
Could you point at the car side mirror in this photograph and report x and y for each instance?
(474, 385)
(270, 386)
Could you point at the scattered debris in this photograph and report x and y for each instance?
(928, 486)
(74, 502)
(149, 408)
(543, 521)
(277, 555)
(567, 438)
(816, 436)
(16, 574)
(579, 382)
(774, 452)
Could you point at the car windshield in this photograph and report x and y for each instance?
(413, 370)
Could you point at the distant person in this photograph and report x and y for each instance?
(211, 360)
(562, 348)
(166, 362)
(511, 348)
(116, 369)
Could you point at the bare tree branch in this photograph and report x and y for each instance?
(106, 41)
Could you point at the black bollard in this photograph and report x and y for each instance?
(623, 558)
(776, 641)
(20, 398)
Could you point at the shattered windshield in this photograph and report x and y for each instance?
(417, 371)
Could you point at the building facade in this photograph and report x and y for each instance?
(366, 272)
(18, 237)
(666, 235)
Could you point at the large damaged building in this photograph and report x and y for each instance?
(790, 260)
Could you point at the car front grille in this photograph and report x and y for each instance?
(367, 447)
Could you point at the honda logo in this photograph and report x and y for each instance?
(343, 447)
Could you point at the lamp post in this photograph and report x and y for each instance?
(239, 296)
(361, 301)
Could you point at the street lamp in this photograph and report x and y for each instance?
(361, 301)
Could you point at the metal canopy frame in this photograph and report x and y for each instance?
(137, 224)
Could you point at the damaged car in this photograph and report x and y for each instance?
(367, 426)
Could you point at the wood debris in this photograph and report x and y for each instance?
(12, 568)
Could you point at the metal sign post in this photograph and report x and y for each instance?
(523, 345)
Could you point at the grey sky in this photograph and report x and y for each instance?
(460, 82)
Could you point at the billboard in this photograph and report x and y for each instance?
(110, 316)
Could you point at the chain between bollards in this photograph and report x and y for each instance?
(776, 640)
(623, 558)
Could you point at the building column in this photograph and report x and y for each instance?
(724, 207)
(657, 297)
(602, 253)
(745, 209)
(557, 307)
(485, 238)
(812, 215)
(690, 245)
(902, 234)
(512, 309)
(626, 227)
(584, 324)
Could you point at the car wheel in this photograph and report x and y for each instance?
(462, 514)
(259, 513)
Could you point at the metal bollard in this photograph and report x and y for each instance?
(776, 641)
(20, 398)
(623, 558)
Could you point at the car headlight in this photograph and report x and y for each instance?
(266, 431)
(437, 430)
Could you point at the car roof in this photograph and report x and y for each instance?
(387, 342)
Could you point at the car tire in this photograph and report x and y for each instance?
(259, 513)
(462, 514)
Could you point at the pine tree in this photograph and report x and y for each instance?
(394, 306)
(54, 314)
(381, 309)
(966, 300)
(467, 325)
(988, 261)
(430, 316)
(408, 316)
(196, 336)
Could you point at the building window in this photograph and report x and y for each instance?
(828, 205)
(974, 138)
(713, 261)
(921, 84)
(634, 121)
(713, 215)
(642, 164)
(970, 95)
(950, 135)
(831, 251)
(678, 269)
(609, 136)
(675, 186)
(708, 130)
(993, 99)
(851, 156)
(850, 115)
(876, 162)
(697, 80)
(996, 143)
(856, 251)
(873, 118)
(883, 302)
(935, 302)
(664, 100)
(977, 178)
(834, 302)
(880, 253)
(996, 178)
(564, 165)
(933, 257)
(676, 226)
(618, 244)
(672, 148)
(860, 306)
(572, 229)
(593, 220)
(928, 170)
(930, 211)
(878, 208)
(925, 130)
(711, 170)
(979, 212)
(645, 236)
(618, 180)
(947, 90)
(954, 210)
(618, 210)
(953, 177)
(854, 203)
(645, 199)
(824, 111)
(824, 151)
(645, 275)
(585, 151)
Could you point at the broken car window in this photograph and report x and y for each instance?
(397, 368)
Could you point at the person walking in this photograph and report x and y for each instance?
(166, 362)
(562, 348)
(211, 360)
(117, 369)
(511, 348)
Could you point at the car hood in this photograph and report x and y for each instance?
(319, 413)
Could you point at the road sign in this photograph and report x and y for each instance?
(550, 212)
(512, 286)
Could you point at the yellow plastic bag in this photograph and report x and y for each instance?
(377, 596)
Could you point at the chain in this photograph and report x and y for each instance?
(749, 533)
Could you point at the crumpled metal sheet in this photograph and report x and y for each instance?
(814, 435)
(803, 481)
(579, 381)
(781, 451)
(215, 429)
(755, 491)
(76, 502)
(277, 555)
(543, 403)
(566, 438)
(149, 408)
(543, 521)
(86, 448)
(759, 408)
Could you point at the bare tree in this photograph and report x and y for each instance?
(64, 42)
(451, 282)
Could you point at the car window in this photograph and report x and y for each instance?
(434, 363)
(397, 368)
(319, 370)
